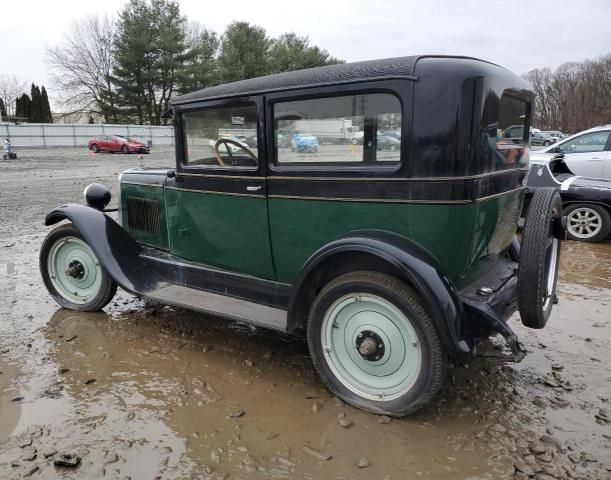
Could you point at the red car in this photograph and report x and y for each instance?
(117, 143)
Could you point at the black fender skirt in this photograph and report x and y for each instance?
(118, 252)
(417, 267)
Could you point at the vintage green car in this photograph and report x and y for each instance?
(393, 261)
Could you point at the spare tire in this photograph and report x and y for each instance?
(539, 257)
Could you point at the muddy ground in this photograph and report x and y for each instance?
(143, 391)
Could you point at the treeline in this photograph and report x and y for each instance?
(34, 107)
(129, 68)
(574, 97)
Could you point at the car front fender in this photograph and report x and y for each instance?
(116, 250)
(411, 263)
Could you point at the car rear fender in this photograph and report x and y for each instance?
(402, 258)
(116, 250)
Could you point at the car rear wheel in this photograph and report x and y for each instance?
(374, 344)
(95, 148)
(124, 149)
(539, 258)
(72, 273)
(587, 222)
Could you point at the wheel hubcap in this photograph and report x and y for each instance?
(74, 270)
(584, 222)
(371, 347)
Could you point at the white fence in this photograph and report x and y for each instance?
(77, 135)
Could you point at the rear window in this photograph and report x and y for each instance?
(342, 131)
(513, 116)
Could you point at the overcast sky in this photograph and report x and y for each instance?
(520, 34)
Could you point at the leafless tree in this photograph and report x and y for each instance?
(574, 97)
(83, 64)
(11, 87)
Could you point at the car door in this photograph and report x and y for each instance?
(102, 142)
(585, 155)
(107, 143)
(217, 202)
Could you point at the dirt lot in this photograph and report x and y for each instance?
(143, 391)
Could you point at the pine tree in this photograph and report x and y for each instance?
(45, 107)
(24, 106)
(2, 110)
(199, 68)
(291, 52)
(149, 50)
(36, 108)
(244, 52)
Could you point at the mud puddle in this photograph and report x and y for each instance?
(145, 391)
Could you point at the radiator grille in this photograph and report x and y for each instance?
(143, 214)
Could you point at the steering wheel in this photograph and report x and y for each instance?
(228, 142)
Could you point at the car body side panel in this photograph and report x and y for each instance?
(457, 235)
(226, 231)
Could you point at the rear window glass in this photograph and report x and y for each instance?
(344, 130)
(513, 115)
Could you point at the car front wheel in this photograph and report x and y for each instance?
(72, 273)
(124, 149)
(374, 344)
(95, 148)
(587, 222)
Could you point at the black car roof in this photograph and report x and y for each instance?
(385, 69)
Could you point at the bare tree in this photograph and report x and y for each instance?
(83, 65)
(11, 87)
(575, 97)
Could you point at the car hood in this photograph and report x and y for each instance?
(540, 157)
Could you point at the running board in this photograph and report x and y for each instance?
(214, 303)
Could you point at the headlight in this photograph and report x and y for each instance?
(97, 196)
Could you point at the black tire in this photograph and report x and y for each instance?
(547, 143)
(107, 289)
(400, 295)
(605, 221)
(355, 141)
(539, 258)
(95, 148)
(124, 149)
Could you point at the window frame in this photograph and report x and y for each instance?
(180, 138)
(526, 125)
(400, 89)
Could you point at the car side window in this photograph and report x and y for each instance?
(590, 142)
(220, 137)
(512, 120)
(344, 130)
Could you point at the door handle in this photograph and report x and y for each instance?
(254, 188)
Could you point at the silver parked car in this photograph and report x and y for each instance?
(587, 153)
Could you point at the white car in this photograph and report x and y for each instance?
(587, 153)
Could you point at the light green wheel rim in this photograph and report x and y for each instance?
(397, 369)
(67, 252)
